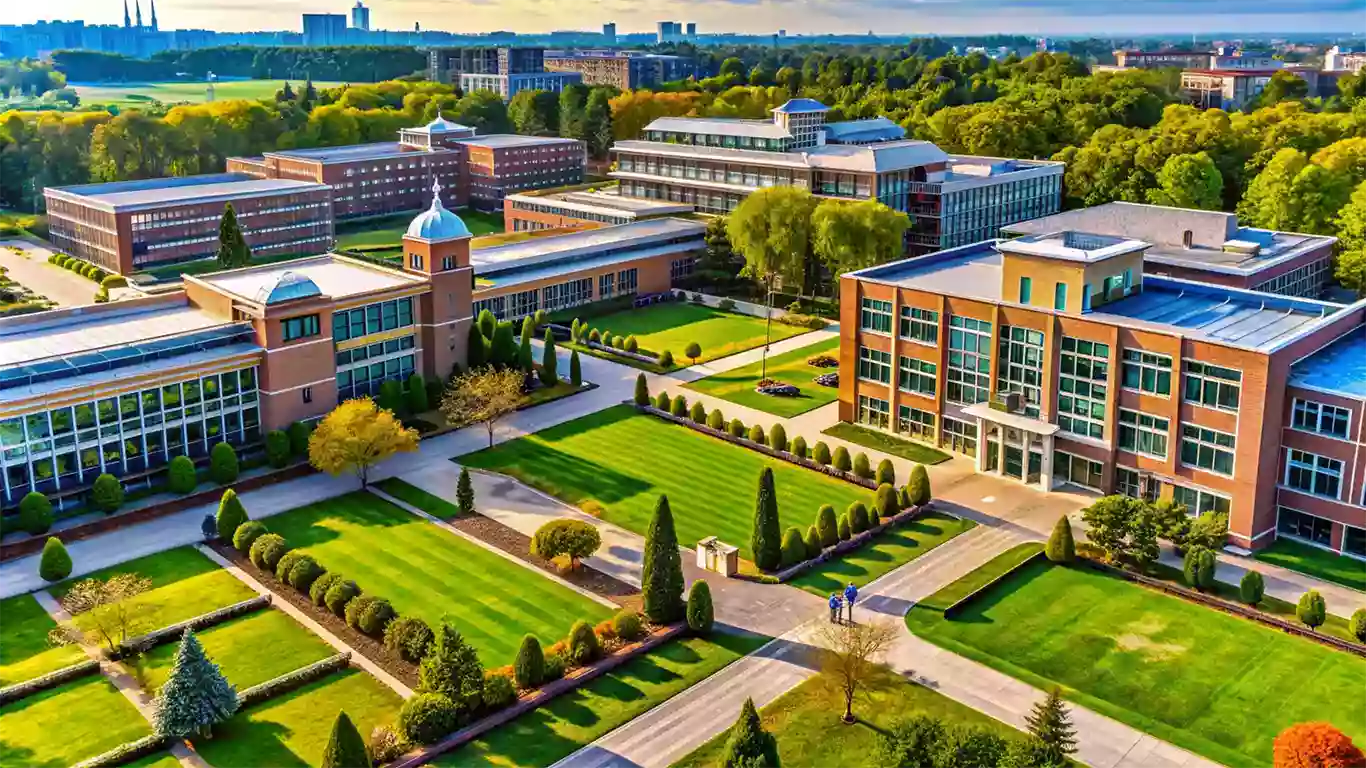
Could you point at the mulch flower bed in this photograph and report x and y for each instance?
(369, 647)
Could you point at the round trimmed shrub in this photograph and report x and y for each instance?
(885, 501)
(35, 513)
(376, 616)
(821, 454)
(1357, 625)
(692, 351)
(355, 607)
(528, 670)
(298, 438)
(277, 448)
(665, 359)
(716, 419)
(631, 345)
(181, 476)
(874, 519)
(679, 407)
(642, 390)
(701, 614)
(231, 514)
(756, 435)
(339, 594)
(1311, 609)
(499, 691)
(618, 342)
(107, 493)
(662, 401)
(858, 517)
(698, 413)
(246, 534)
(584, 647)
(1252, 588)
(885, 473)
(223, 466)
(841, 460)
(317, 592)
(827, 525)
(777, 437)
(843, 528)
(627, 625)
(794, 547)
(555, 666)
(798, 447)
(305, 571)
(55, 564)
(904, 497)
(426, 718)
(267, 550)
(286, 562)
(919, 486)
(813, 542)
(737, 428)
(409, 637)
(861, 466)
(594, 336)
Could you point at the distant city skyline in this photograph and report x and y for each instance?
(884, 17)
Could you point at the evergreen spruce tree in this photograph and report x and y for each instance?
(231, 514)
(749, 745)
(575, 369)
(452, 669)
(345, 747)
(464, 492)
(1061, 548)
(195, 697)
(232, 247)
(1051, 723)
(766, 541)
(661, 577)
(548, 363)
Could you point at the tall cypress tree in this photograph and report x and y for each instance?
(232, 247)
(345, 748)
(766, 541)
(548, 364)
(478, 354)
(195, 697)
(661, 575)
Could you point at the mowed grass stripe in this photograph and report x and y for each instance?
(790, 367)
(430, 573)
(25, 652)
(249, 650)
(675, 326)
(67, 724)
(625, 460)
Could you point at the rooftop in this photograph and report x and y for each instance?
(1239, 318)
(873, 129)
(502, 140)
(1068, 245)
(333, 276)
(546, 256)
(875, 158)
(143, 193)
(1339, 367)
(759, 129)
(974, 168)
(793, 106)
(353, 153)
(1233, 71)
(604, 202)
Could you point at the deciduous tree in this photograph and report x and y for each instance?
(1189, 181)
(111, 614)
(850, 654)
(483, 397)
(852, 235)
(1315, 745)
(572, 538)
(356, 436)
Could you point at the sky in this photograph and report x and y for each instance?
(890, 17)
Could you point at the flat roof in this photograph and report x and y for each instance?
(500, 140)
(191, 357)
(975, 168)
(1339, 367)
(491, 261)
(145, 193)
(604, 202)
(870, 158)
(1239, 318)
(762, 129)
(355, 152)
(335, 276)
(72, 332)
(1083, 247)
(1233, 71)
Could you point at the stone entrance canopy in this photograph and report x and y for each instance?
(1014, 445)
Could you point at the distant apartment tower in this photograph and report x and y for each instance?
(623, 69)
(360, 17)
(609, 33)
(692, 30)
(1159, 59)
(669, 32)
(503, 70)
(324, 29)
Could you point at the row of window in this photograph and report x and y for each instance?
(1317, 530)
(372, 318)
(568, 294)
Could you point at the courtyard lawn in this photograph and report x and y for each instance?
(874, 440)
(738, 385)
(185, 584)
(176, 92)
(1213, 683)
(427, 502)
(806, 721)
(566, 724)
(428, 572)
(1319, 563)
(674, 325)
(389, 230)
(156, 760)
(67, 724)
(25, 652)
(624, 460)
(249, 650)
(292, 729)
(891, 550)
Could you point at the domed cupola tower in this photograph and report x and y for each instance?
(437, 246)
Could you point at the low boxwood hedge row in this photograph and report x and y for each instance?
(50, 680)
(142, 643)
(126, 753)
(288, 682)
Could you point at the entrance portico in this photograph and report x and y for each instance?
(1014, 445)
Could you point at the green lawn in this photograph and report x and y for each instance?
(428, 572)
(156, 760)
(738, 385)
(248, 650)
(1319, 563)
(806, 721)
(427, 502)
(185, 584)
(569, 722)
(67, 724)
(174, 92)
(292, 729)
(892, 549)
(674, 325)
(1213, 683)
(881, 441)
(624, 461)
(24, 650)
(389, 230)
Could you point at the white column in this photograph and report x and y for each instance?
(1046, 466)
(1001, 449)
(981, 445)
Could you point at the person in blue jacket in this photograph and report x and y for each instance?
(850, 595)
(835, 605)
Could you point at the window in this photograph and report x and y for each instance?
(1126, 482)
(1078, 470)
(447, 263)
(627, 280)
(1321, 417)
(1020, 367)
(1207, 449)
(875, 316)
(1311, 473)
(1298, 525)
(1212, 386)
(415, 260)
(1141, 433)
(1086, 298)
(916, 376)
(308, 394)
(968, 371)
(920, 325)
(874, 365)
(1147, 372)
(301, 327)
(1060, 296)
(1083, 373)
(1198, 502)
(1354, 541)
(1026, 290)
(913, 421)
(874, 412)
(959, 436)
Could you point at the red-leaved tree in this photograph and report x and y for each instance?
(1316, 745)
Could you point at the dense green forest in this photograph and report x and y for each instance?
(358, 63)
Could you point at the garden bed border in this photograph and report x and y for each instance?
(125, 753)
(854, 542)
(289, 681)
(26, 688)
(962, 602)
(572, 681)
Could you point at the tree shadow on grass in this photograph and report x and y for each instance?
(243, 743)
(975, 612)
(564, 475)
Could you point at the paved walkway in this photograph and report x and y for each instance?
(32, 270)
(1281, 583)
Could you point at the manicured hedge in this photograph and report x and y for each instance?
(175, 631)
(50, 680)
(125, 753)
(297, 678)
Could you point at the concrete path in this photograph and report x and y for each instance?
(32, 270)
(1281, 583)
(313, 626)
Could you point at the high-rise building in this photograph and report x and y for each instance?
(503, 70)
(360, 17)
(609, 33)
(668, 32)
(692, 30)
(324, 29)
(624, 69)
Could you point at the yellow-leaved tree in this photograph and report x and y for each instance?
(356, 436)
(483, 396)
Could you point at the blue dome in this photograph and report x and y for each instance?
(437, 223)
(288, 286)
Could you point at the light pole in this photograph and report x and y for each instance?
(768, 326)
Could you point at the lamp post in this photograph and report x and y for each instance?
(768, 326)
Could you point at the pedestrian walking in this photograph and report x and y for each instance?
(835, 605)
(850, 595)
